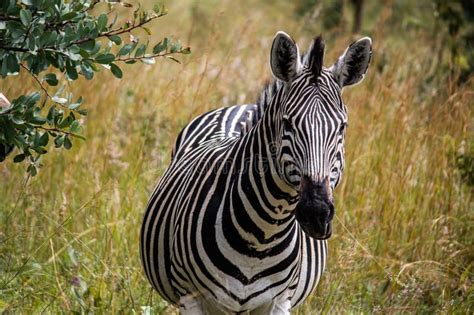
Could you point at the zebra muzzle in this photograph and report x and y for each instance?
(315, 209)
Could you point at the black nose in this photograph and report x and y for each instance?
(315, 209)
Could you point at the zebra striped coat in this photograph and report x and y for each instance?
(239, 221)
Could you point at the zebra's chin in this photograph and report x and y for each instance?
(317, 233)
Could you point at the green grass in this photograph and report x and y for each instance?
(404, 233)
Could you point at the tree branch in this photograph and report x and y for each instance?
(59, 131)
(145, 57)
(37, 80)
(9, 18)
(120, 30)
(44, 89)
(18, 49)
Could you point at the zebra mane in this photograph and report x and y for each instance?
(266, 95)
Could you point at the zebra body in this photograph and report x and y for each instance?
(226, 229)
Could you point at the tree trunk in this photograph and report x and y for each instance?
(358, 6)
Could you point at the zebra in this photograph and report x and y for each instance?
(240, 219)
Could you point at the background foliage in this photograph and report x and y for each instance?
(404, 231)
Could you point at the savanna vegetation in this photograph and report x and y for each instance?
(403, 237)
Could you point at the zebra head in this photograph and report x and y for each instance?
(311, 122)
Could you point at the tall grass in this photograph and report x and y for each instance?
(404, 229)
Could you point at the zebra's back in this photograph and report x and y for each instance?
(216, 125)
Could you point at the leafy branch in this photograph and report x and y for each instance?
(50, 37)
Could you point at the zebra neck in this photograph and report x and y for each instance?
(261, 202)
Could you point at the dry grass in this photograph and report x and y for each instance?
(405, 226)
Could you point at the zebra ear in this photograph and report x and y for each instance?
(352, 66)
(284, 57)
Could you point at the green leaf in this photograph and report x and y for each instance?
(147, 30)
(16, 29)
(87, 71)
(157, 8)
(37, 120)
(83, 112)
(67, 143)
(71, 71)
(33, 97)
(40, 150)
(36, 139)
(75, 105)
(19, 158)
(25, 17)
(161, 46)
(32, 170)
(173, 58)
(88, 45)
(102, 22)
(117, 72)
(58, 142)
(75, 127)
(12, 64)
(47, 38)
(68, 16)
(125, 50)
(17, 120)
(51, 79)
(20, 143)
(51, 114)
(44, 139)
(84, 54)
(9, 131)
(176, 47)
(31, 43)
(105, 58)
(140, 50)
(93, 66)
(117, 40)
(66, 122)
